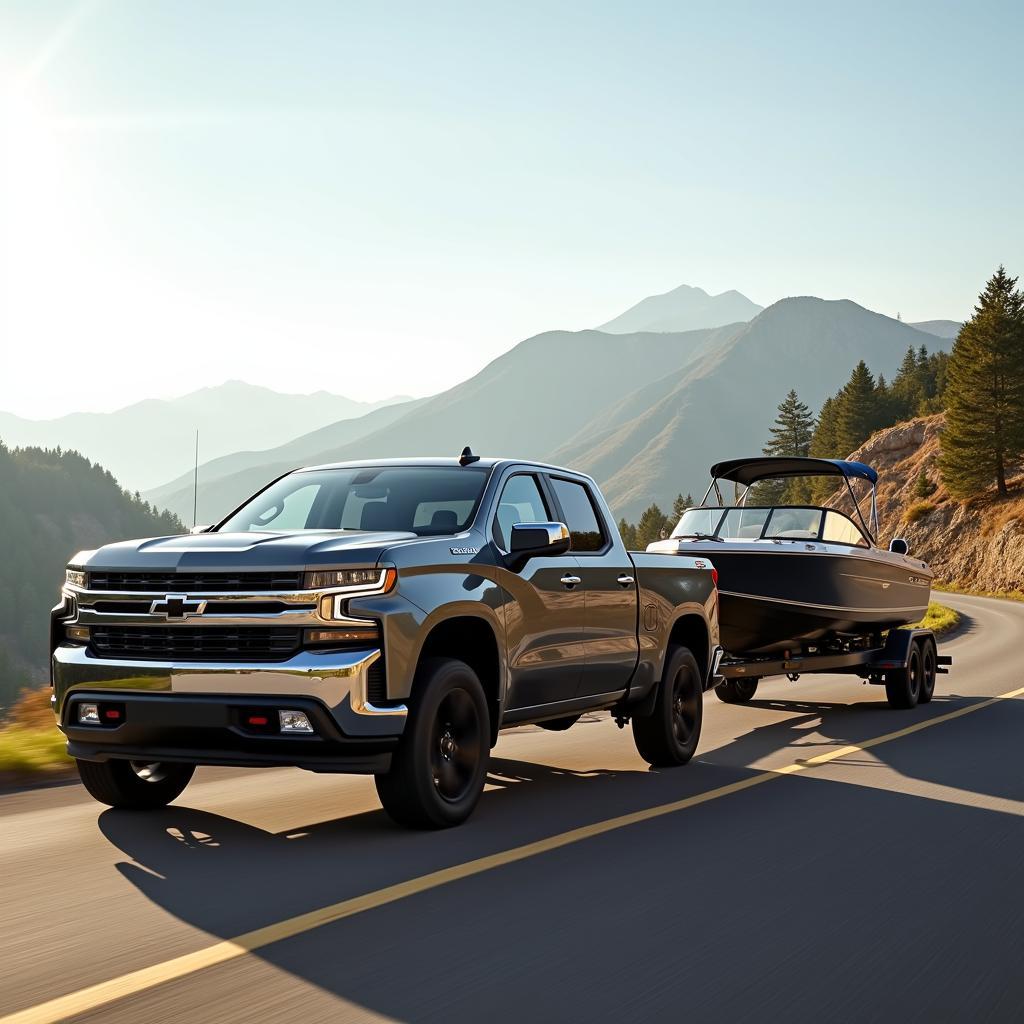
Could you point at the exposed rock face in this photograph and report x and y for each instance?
(979, 544)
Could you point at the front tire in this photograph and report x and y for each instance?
(437, 773)
(903, 686)
(670, 734)
(134, 785)
(736, 691)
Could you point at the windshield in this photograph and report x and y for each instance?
(425, 500)
(778, 523)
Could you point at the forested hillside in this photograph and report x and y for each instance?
(52, 504)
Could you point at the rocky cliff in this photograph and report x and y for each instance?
(978, 544)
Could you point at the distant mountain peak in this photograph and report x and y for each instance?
(684, 308)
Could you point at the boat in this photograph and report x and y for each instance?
(800, 577)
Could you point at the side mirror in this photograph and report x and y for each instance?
(537, 540)
(201, 529)
(898, 546)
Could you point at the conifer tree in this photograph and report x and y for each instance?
(651, 527)
(792, 430)
(627, 531)
(984, 432)
(679, 506)
(858, 413)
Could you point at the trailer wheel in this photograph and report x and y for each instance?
(928, 669)
(736, 691)
(437, 773)
(903, 686)
(668, 736)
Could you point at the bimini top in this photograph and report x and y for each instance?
(749, 471)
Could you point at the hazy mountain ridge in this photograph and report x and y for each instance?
(524, 403)
(145, 443)
(948, 329)
(683, 309)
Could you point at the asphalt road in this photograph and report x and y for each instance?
(885, 883)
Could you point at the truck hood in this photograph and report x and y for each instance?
(210, 552)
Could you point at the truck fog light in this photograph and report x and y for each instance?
(294, 721)
(88, 714)
(79, 633)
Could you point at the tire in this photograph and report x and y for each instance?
(903, 686)
(736, 691)
(670, 734)
(135, 785)
(437, 773)
(928, 670)
(560, 724)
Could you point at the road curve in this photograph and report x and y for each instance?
(796, 870)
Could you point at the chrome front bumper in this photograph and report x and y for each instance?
(336, 679)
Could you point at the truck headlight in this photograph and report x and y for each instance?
(75, 577)
(367, 581)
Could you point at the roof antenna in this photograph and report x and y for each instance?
(195, 484)
(467, 457)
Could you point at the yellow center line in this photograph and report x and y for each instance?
(55, 1010)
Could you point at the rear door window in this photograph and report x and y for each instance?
(580, 515)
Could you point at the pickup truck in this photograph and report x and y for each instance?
(384, 617)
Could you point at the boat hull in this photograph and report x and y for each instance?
(774, 597)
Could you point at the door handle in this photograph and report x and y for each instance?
(626, 581)
(570, 581)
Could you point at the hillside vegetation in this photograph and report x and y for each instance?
(52, 504)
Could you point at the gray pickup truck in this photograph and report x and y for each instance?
(383, 617)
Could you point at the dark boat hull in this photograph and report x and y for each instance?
(777, 599)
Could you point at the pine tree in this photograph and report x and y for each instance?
(823, 443)
(627, 531)
(792, 430)
(923, 487)
(679, 506)
(858, 412)
(651, 527)
(984, 432)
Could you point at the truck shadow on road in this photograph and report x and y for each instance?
(808, 870)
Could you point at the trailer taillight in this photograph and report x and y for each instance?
(714, 576)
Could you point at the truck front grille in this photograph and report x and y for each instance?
(188, 643)
(193, 582)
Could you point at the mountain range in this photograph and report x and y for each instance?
(644, 412)
(147, 442)
(683, 309)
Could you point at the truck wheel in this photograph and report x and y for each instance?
(669, 735)
(736, 691)
(437, 773)
(134, 785)
(560, 724)
(928, 663)
(903, 686)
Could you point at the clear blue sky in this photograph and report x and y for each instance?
(304, 194)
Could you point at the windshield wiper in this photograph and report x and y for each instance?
(698, 536)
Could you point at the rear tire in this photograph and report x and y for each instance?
(736, 691)
(670, 734)
(135, 785)
(903, 686)
(929, 661)
(437, 773)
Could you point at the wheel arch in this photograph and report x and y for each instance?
(473, 639)
(690, 629)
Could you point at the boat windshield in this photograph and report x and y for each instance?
(778, 522)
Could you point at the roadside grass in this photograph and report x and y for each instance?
(30, 743)
(1005, 595)
(939, 619)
